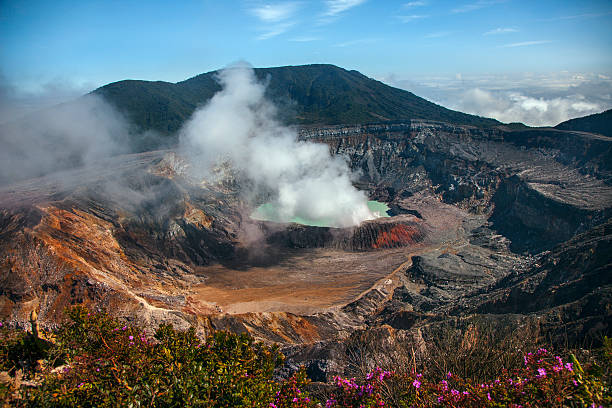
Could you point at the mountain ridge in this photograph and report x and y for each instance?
(317, 94)
(600, 123)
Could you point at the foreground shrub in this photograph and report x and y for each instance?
(115, 365)
(95, 361)
(544, 381)
(292, 392)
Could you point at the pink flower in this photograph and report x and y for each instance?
(449, 375)
(80, 385)
(124, 328)
(131, 337)
(489, 396)
(416, 384)
(569, 366)
(541, 372)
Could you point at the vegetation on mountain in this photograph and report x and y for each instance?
(597, 123)
(308, 94)
(93, 360)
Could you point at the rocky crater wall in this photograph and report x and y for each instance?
(542, 186)
(402, 231)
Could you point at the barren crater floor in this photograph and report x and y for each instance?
(307, 281)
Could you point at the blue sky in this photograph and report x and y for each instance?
(58, 46)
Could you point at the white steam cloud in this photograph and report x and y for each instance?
(239, 125)
(65, 136)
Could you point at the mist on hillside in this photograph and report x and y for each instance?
(66, 136)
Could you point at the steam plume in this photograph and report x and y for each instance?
(64, 136)
(239, 125)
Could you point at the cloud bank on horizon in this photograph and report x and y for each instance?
(535, 100)
(511, 107)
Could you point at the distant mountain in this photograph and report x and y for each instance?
(598, 123)
(308, 95)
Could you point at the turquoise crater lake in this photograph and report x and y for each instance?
(268, 212)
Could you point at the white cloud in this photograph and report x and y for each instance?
(516, 107)
(412, 4)
(335, 7)
(414, 17)
(526, 43)
(274, 13)
(476, 6)
(533, 99)
(276, 18)
(501, 30)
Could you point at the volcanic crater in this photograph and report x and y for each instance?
(474, 211)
